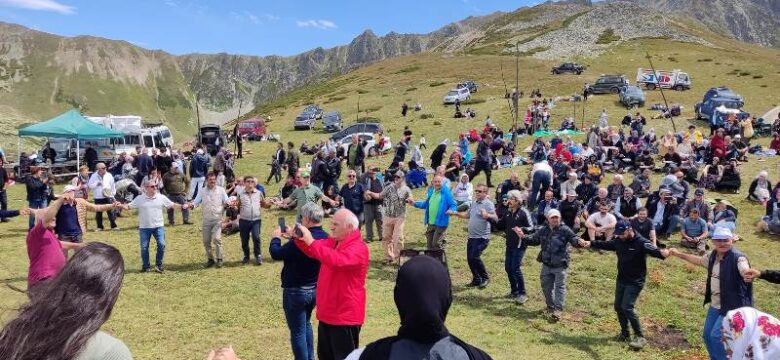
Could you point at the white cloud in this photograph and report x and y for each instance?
(319, 24)
(246, 16)
(43, 5)
(171, 3)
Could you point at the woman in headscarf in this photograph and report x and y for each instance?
(438, 154)
(751, 334)
(423, 295)
(760, 188)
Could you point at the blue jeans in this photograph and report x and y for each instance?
(711, 334)
(474, 249)
(246, 228)
(540, 183)
(671, 226)
(298, 304)
(146, 235)
(36, 204)
(512, 261)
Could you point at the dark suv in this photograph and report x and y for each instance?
(471, 85)
(571, 68)
(606, 84)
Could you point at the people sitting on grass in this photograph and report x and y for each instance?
(730, 179)
(760, 189)
(771, 221)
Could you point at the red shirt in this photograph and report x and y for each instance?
(341, 285)
(45, 253)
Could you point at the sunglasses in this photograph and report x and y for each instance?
(350, 176)
(151, 186)
(479, 191)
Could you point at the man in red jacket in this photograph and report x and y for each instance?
(341, 285)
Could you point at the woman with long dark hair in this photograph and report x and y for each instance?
(63, 320)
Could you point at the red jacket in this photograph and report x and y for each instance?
(341, 285)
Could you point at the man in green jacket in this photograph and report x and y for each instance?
(175, 185)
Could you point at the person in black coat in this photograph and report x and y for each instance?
(423, 295)
(632, 251)
(438, 155)
(772, 276)
(90, 157)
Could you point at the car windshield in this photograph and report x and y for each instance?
(633, 91)
(330, 119)
(452, 93)
(247, 125)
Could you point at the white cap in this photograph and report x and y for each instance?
(553, 213)
(722, 233)
(200, 152)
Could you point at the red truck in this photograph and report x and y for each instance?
(252, 129)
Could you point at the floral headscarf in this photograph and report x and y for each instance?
(751, 334)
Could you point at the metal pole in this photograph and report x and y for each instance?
(78, 154)
(197, 113)
(655, 76)
(516, 95)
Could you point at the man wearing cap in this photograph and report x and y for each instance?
(305, 193)
(516, 217)
(480, 211)
(571, 208)
(726, 288)
(436, 204)
(632, 251)
(627, 206)
(214, 199)
(199, 166)
(372, 207)
(663, 211)
(554, 240)
(395, 196)
(71, 218)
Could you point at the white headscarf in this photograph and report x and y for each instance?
(751, 334)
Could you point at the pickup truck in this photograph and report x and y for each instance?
(571, 68)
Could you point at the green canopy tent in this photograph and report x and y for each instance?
(70, 125)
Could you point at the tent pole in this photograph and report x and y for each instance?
(78, 154)
(18, 154)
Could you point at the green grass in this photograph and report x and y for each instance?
(183, 313)
(607, 36)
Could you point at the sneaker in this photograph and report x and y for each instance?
(219, 263)
(638, 343)
(556, 315)
(258, 260)
(98, 230)
(245, 261)
(115, 228)
(473, 283)
(521, 299)
(210, 263)
(159, 269)
(145, 270)
(484, 284)
(511, 295)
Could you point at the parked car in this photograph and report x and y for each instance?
(305, 121)
(252, 129)
(460, 95)
(211, 136)
(331, 121)
(631, 96)
(370, 144)
(606, 84)
(570, 68)
(715, 97)
(364, 127)
(314, 108)
(469, 84)
(666, 79)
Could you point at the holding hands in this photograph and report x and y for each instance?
(583, 243)
(751, 274)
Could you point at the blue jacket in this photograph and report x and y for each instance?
(199, 166)
(447, 203)
(299, 270)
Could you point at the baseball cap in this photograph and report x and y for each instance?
(621, 227)
(305, 174)
(699, 192)
(722, 233)
(553, 213)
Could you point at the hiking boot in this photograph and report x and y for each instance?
(556, 315)
(258, 260)
(210, 263)
(188, 222)
(159, 269)
(638, 343)
(219, 263)
(521, 299)
(245, 261)
(484, 284)
(623, 338)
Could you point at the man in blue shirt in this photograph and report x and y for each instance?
(299, 281)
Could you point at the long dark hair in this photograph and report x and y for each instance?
(56, 324)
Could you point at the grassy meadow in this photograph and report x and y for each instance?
(188, 310)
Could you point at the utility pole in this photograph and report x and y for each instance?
(516, 95)
(197, 113)
(655, 76)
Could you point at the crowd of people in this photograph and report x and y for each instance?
(564, 201)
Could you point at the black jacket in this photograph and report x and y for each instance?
(519, 218)
(632, 257)
(37, 190)
(554, 243)
(772, 276)
(669, 209)
(3, 178)
(360, 154)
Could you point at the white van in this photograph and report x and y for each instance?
(135, 134)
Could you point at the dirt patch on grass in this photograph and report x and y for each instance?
(667, 338)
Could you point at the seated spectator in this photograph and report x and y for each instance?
(775, 144)
(616, 189)
(760, 188)
(601, 224)
(711, 175)
(718, 144)
(738, 148)
(423, 295)
(722, 216)
(63, 320)
(627, 206)
(771, 221)
(672, 159)
(730, 179)
(543, 206)
(463, 193)
(641, 183)
(663, 211)
(694, 232)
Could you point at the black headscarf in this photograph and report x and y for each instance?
(423, 294)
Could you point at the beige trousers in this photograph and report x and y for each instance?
(392, 237)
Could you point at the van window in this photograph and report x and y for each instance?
(165, 134)
(148, 142)
(132, 140)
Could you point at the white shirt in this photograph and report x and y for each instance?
(606, 221)
(97, 183)
(463, 192)
(542, 166)
(150, 210)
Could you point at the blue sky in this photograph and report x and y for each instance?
(258, 27)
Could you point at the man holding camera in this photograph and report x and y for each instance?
(663, 211)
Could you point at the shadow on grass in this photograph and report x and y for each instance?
(582, 343)
(379, 270)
